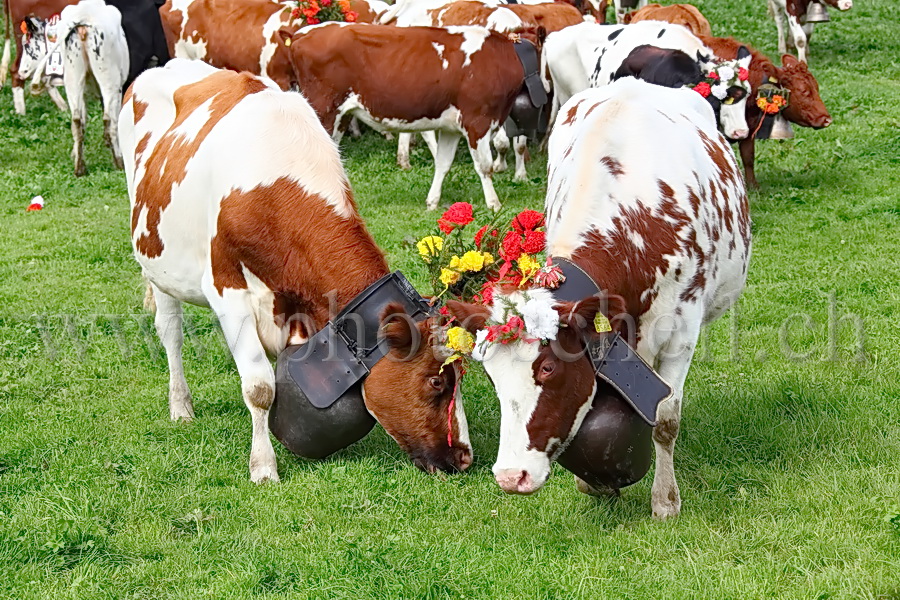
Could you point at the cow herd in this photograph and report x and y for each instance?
(240, 202)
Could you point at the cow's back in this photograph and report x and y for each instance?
(678, 14)
(643, 186)
(187, 193)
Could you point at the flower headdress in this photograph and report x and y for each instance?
(720, 78)
(314, 12)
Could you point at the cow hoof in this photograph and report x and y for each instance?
(264, 474)
(666, 509)
(599, 492)
(404, 166)
(499, 167)
(80, 171)
(182, 412)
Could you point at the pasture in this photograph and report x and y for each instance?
(788, 460)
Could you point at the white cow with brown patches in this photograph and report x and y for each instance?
(645, 196)
(240, 203)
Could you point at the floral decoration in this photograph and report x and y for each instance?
(314, 12)
(723, 75)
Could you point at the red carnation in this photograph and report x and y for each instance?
(703, 89)
(713, 75)
(743, 74)
(512, 246)
(312, 21)
(459, 213)
(325, 2)
(534, 242)
(480, 234)
(487, 293)
(527, 220)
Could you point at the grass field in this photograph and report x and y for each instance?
(789, 458)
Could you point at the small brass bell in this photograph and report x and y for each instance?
(781, 129)
(817, 13)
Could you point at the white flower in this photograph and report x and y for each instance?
(541, 319)
(720, 90)
(481, 344)
(726, 74)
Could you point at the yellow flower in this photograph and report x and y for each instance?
(488, 259)
(454, 263)
(449, 277)
(471, 261)
(460, 340)
(430, 246)
(528, 266)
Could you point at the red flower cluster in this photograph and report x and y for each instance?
(512, 330)
(524, 236)
(319, 11)
(703, 89)
(479, 235)
(743, 74)
(458, 215)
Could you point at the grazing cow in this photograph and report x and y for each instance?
(665, 234)
(686, 15)
(140, 22)
(93, 44)
(805, 108)
(798, 30)
(459, 81)
(589, 55)
(240, 203)
(241, 35)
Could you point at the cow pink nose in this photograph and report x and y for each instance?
(739, 134)
(515, 481)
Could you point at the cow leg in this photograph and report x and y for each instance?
(18, 92)
(747, 147)
(501, 145)
(674, 362)
(403, 142)
(430, 139)
(111, 93)
(521, 148)
(799, 37)
(236, 312)
(447, 142)
(481, 158)
(778, 15)
(74, 78)
(355, 133)
(57, 98)
(169, 322)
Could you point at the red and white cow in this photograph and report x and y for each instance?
(459, 81)
(798, 30)
(589, 55)
(241, 35)
(645, 196)
(686, 15)
(240, 203)
(93, 44)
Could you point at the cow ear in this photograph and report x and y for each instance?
(400, 330)
(542, 35)
(286, 34)
(788, 60)
(31, 25)
(582, 314)
(471, 317)
(743, 52)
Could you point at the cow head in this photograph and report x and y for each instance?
(544, 380)
(840, 4)
(34, 45)
(731, 109)
(806, 107)
(415, 398)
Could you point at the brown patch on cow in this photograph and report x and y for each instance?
(573, 112)
(667, 117)
(397, 74)
(686, 15)
(261, 396)
(666, 431)
(591, 109)
(138, 156)
(140, 109)
(718, 152)
(552, 16)
(295, 258)
(173, 152)
(614, 166)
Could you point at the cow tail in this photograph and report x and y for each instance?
(7, 50)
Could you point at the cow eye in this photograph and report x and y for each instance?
(547, 369)
(437, 383)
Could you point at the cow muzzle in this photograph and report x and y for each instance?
(515, 481)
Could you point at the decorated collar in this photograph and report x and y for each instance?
(720, 78)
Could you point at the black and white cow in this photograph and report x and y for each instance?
(590, 55)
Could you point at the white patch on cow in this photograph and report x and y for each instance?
(462, 433)
(637, 239)
(192, 125)
(439, 48)
(473, 40)
(271, 40)
(504, 21)
(449, 120)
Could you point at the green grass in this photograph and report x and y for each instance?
(789, 467)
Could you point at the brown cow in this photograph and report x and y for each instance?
(241, 35)
(240, 203)
(456, 82)
(805, 108)
(679, 14)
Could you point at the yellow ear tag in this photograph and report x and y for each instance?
(287, 42)
(601, 323)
